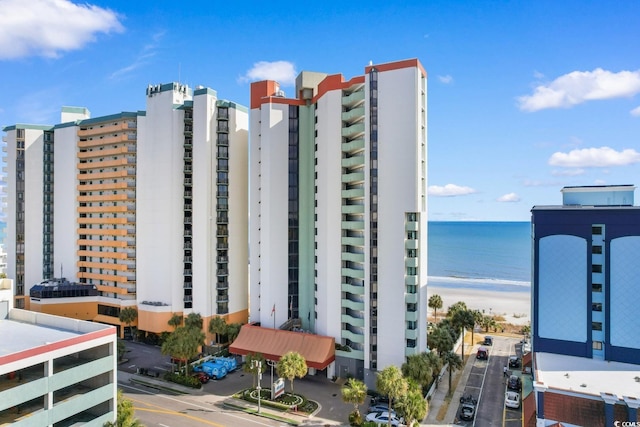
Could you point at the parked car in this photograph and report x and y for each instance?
(514, 383)
(488, 340)
(381, 407)
(202, 377)
(467, 411)
(483, 353)
(514, 362)
(383, 418)
(512, 399)
(215, 371)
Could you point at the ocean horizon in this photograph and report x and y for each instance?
(484, 255)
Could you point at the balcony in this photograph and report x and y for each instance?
(353, 145)
(352, 289)
(350, 272)
(353, 115)
(352, 161)
(353, 98)
(352, 209)
(357, 338)
(352, 241)
(355, 257)
(354, 305)
(222, 272)
(353, 177)
(352, 225)
(353, 193)
(411, 298)
(353, 131)
(355, 321)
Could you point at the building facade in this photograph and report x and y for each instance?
(156, 200)
(586, 336)
(54, 370)
(339, 212)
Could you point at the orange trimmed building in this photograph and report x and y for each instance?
(147, 209)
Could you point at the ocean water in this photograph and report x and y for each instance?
(483, 255)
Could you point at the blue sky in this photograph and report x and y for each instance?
(524, 97)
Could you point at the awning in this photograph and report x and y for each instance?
(317, 350)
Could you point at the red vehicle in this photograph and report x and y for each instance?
(202, 377)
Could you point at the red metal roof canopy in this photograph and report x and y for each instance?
(317, 350)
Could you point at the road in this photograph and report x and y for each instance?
(155, 408)
(487, 384)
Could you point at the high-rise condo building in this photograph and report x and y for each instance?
(585, 295)
(338, 229)
(148, 207)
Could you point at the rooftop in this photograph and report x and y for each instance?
(26, 333)
(587, 376)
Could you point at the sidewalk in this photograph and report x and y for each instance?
(438, 398)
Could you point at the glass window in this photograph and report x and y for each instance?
(596, 326)
(596, 230)
(596, 306)
(596, 287)
(596, 249)
(597, 345)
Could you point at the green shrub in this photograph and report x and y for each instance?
(182, 380)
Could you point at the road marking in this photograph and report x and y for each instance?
(162, 369)
(132, 366)
(475, 416)
(186, 403)
(162, 425)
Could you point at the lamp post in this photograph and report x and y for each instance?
(258, 364)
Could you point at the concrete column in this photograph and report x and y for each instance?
(609, 401)
(632, 407)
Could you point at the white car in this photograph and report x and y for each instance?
(512, 399)
(382, 418)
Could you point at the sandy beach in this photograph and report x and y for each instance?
(514, 306)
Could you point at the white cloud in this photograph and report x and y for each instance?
(635, 112)
(595, 158)
(449, 190)
(581, 86)
(509, 197)
(284, 72)
(148, 52)
(49, 27)
(445, 79)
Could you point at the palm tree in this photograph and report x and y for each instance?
(292, 365)
(440, 339)
(435, 302)
(218, 326)
(193, 320)
(175, 321)
(354, 391)
(460, 305)
(462, 319)
(183, 344)
(413, 406)
(418, 368)
(454, 361)
(233, 330)
(252, 368)
(127, 316)
(488, 322)
(392, 384)
(477, 318)
(125, 417)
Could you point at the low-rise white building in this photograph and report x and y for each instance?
(54, 369)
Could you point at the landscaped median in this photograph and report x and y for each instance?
(284, 409)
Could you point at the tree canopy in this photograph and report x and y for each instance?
(292, 365)
(392, 384)
(355, 392)
(435, 302)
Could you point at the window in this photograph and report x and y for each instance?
(596, 326)
(596, 230)
(597, 345)
(596, 306)
(596, 268)
(596, 249)
(596, 287)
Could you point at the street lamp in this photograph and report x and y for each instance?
(258, 364)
